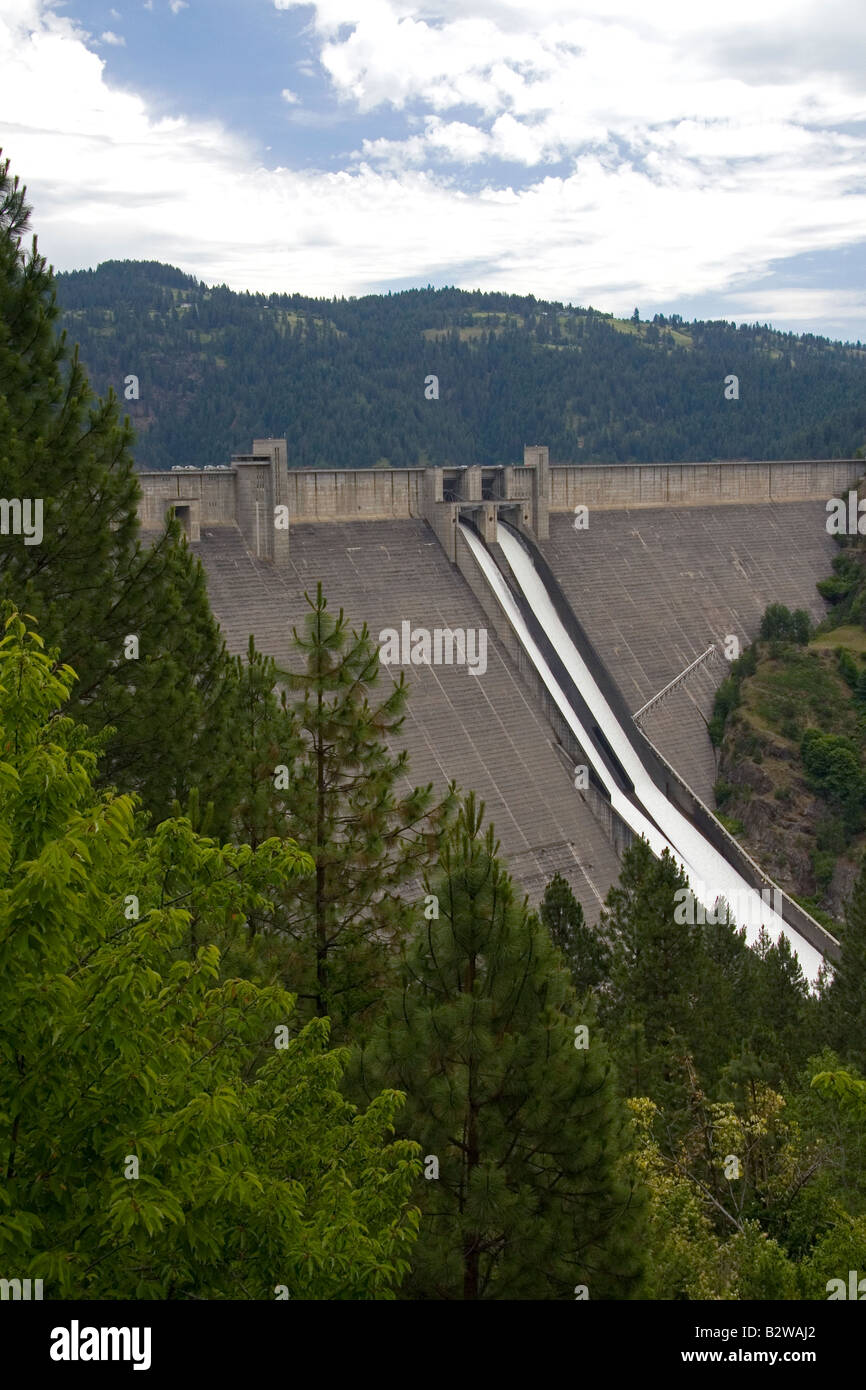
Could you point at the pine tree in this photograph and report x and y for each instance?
(654, 965)
(780, 1026)
(722, 1012)
(510, 1092)
(585, 952)
(89, 579)
(843, 1008)
(369, 840)
(267, 742)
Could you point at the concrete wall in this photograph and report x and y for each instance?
(699, 484)
(246, 497)
(537, 457)
(355, 494)
(277, 545)
(440, 516)
(260, 491)
(654, 586)
(214, 493)
(333, 494)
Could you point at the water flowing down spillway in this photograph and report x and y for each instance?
(710, 875)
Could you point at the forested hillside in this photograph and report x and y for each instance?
(344, 380)
(790, 721)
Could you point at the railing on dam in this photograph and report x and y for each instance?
(708, 655)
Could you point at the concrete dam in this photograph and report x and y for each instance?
(639, 575)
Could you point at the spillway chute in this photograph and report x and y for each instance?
(648, 812)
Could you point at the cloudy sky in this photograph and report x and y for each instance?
(707, 159)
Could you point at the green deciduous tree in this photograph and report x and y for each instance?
(832, 763)
(780, 624)
(163, 1133)
(688, 1255)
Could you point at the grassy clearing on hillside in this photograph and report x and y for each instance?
(625, 326)
(639, 330)
(803, 689)
(854, 638)
(466, 335)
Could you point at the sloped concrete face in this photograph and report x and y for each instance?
(486, 731)
(654, 587)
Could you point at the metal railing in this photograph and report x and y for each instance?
(677, 680)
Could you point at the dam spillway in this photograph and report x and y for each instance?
(648, 812)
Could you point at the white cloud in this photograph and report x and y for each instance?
(798, 309)
(289, 96)
(650, 164)
(115, 14)
(116, 40)
(549, 78)
(177, 5)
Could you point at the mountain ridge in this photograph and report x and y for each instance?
(344, 379)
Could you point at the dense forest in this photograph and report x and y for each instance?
(344, 380)
(242, 1056)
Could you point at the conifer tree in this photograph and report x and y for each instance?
(369, 839)
(585, 952)
(721, 1008)
(511, 1094)
(89, 579)
(780, 1026)
(843, 1009)
(654, 962)
(267, 742)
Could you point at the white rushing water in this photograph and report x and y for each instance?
(709, 873)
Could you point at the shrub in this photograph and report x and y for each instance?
(832, 767)
(780, 624)
(849, 669)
